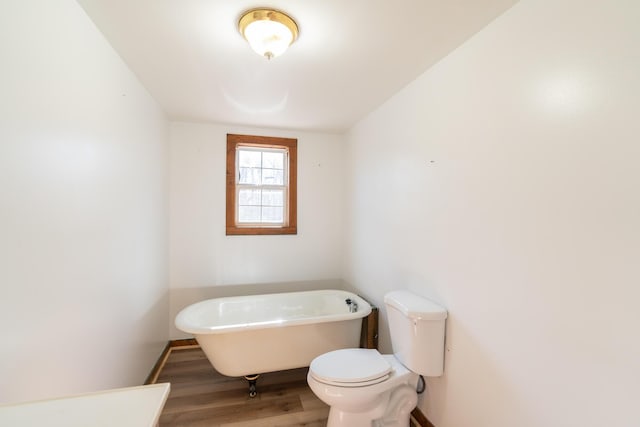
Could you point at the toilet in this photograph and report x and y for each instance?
(365, 388)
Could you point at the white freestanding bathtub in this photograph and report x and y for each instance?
(248, 335)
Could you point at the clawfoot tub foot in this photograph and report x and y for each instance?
(252, 384)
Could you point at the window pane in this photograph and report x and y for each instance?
(249, 159)
(273, 197)
(249, 176)
(272, 177)
(273, 160)
(249, 214)
(272, 214)
(249, 197)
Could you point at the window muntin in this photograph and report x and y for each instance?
(261, 185)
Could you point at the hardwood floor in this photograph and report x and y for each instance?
(202, 397)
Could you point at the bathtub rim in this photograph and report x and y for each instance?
(364, 309)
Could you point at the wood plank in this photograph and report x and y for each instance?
(192, 389)
(310, 402)
(184, 355)
(236, 396)
(200, 396)
(314, 418)
(188, 367)
(250, 409)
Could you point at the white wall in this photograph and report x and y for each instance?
(503, 183)
(205, 263)
(83, 209)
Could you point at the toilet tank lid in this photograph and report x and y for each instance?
(415, 306)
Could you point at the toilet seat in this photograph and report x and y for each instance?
(351, 367)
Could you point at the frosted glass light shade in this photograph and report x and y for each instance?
(268, 32)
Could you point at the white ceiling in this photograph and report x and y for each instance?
(350, 57)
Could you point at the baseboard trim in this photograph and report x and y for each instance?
(187, 342)
(420, 419)
(171, 345)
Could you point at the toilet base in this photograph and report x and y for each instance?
(395, 413)
(338, 418)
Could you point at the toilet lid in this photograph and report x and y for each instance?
(349, 366)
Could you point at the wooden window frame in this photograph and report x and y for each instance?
(288, 144)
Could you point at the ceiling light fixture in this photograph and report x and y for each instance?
(269, 32)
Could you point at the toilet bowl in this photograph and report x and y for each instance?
(365, 388)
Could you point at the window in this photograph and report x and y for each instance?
(261, 185)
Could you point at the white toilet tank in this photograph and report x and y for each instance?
(417, 332)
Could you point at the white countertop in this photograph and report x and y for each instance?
(124, 407)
